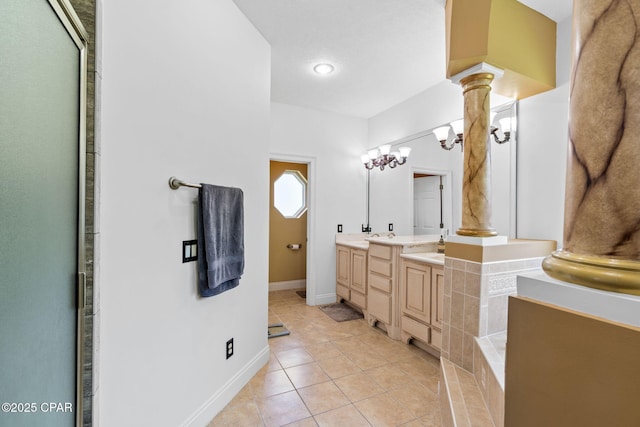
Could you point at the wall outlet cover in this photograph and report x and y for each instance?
(230, 348)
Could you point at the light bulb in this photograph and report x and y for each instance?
(442, 133)
(458, 126)
(323, 69)
(404, 151)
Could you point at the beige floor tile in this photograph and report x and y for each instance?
(351, 345)
(282, 409)
(293, 357)
(323, 397)
(389, 376)
(284, 343)
(307, 422)
(358, 386)
(306, 375)
(273, 364)
(389, 383)
(340, 366)
(417, 398)
(324, 350)
(347, 416)
(367, 359)
(246, 414)
(274, 382)
(383, 410)
(244, 396)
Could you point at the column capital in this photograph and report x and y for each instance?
(480, 68)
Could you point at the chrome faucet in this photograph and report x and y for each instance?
(375, 235)
(392, 234)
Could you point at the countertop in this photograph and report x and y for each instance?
(430, 257)
(362, 240)
(408, 241)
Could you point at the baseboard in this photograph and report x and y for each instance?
(289, 284)
(324, 299)
(209, 409)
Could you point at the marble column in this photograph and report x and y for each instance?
(476, 184)
(602, 201)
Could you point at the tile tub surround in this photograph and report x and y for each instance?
(327, 373)
(476, 291)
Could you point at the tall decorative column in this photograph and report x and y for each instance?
(602, 202)
(476, 184)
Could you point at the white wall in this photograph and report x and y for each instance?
(332, 143)
(185, 93)
(391, 190)
(542, 151)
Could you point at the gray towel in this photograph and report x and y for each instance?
(221, 237)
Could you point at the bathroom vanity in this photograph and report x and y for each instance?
(351, 272)
(421, 298)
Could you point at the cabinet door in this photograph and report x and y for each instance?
(342, 266)
(437, 291)
(359, 271)
(416, 291)
(379, 305)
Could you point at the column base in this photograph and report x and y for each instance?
(597, 272)
(477, 232)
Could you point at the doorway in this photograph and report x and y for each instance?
(42, 168)
(431, 203)
(288, 224)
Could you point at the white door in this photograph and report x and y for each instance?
(426, 205)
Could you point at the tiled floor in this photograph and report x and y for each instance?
(327, 373)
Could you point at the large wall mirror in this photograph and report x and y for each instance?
(409, 195)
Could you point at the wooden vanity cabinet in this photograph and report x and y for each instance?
(351, 275)
(383, 289)
(421, 301)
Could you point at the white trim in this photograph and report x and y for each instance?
(482, 67)
(325, 299)
(212, 406)
(289, 284)
(311, 217)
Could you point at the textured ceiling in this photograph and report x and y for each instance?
(384, 51)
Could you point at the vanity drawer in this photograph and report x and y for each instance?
(380, 282)
(416, 329)
(380, 266)
(380, 251)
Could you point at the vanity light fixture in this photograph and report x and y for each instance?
(442, 133)
(323, 69)
(382, 156)
(507, 124)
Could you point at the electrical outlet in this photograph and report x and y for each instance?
(390, 226)
(230, 348)
(339, 228)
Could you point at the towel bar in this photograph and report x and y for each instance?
(176, 183)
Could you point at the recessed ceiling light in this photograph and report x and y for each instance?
(323, 69)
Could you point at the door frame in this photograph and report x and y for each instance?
(311, 214)
(71, 22)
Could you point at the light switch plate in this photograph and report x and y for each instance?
(189, 250)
